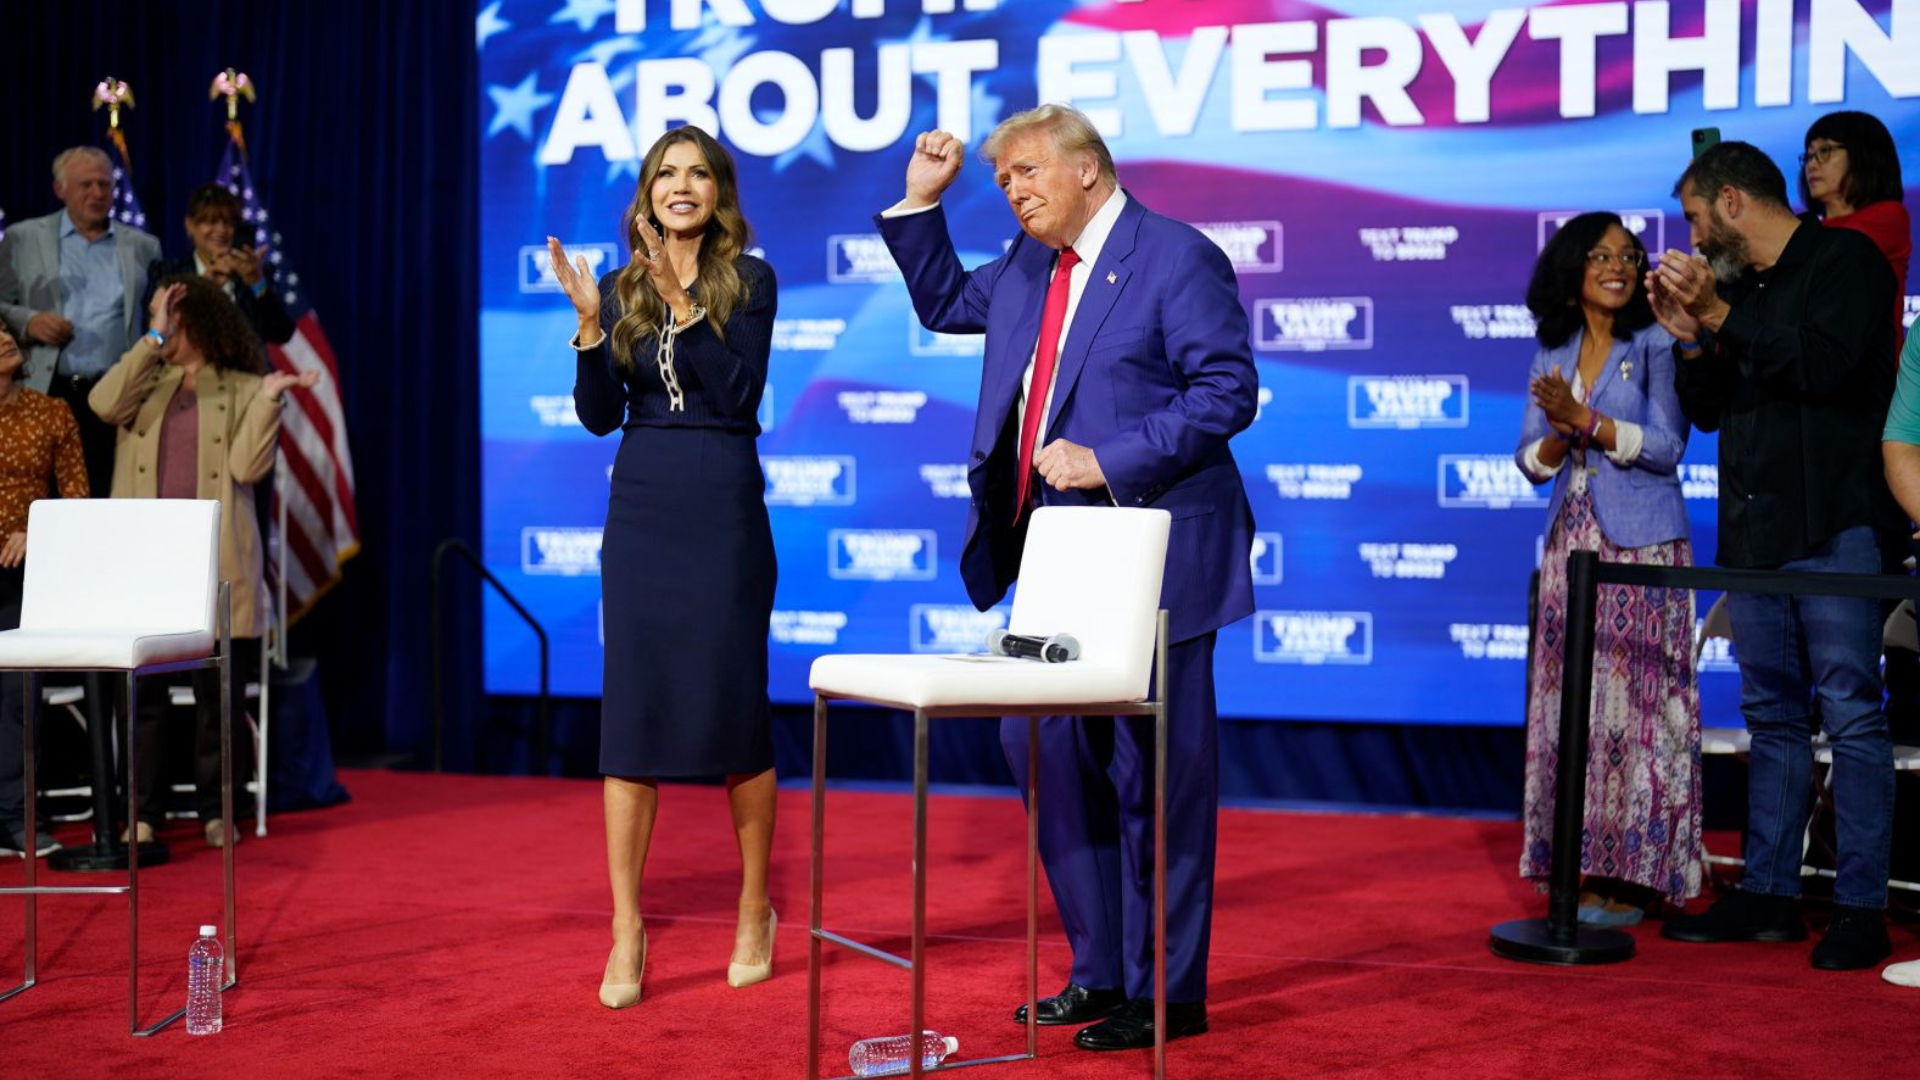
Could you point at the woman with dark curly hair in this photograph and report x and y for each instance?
(197, 420)
(672, 352)
(1605, 428)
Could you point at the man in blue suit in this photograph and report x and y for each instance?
(1116, 369)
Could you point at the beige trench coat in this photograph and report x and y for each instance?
(239, 431)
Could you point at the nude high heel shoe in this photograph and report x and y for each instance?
(739, 975)
(622, 995)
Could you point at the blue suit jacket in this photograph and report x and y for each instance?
(1154, 377)
(1640, 504)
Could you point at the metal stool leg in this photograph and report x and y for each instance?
(1160, 855)
(919, 889)
(29, 720)
(816, 884)
(225, 671)
(1033, 886)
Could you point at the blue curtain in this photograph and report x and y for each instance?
(363, 146)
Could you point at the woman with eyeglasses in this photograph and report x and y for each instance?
(1605, 428)
(1850, 179)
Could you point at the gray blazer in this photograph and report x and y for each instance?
(30, 284)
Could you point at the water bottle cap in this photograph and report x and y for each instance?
(209, 931)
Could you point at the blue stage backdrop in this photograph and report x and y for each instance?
(1381, 179)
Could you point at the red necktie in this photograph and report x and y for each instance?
(1054, 317)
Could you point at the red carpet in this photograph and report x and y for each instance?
(455, 927)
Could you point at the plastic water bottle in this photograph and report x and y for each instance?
(206, 969)
(889, 1055)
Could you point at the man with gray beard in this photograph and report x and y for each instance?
(1785, 349)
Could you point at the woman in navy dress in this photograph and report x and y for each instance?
(673, 353)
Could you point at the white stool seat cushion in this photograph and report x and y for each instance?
(116, 648)
(986, 681)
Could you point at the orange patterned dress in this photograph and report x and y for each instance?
(39, 442)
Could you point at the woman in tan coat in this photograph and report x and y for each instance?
(197, 420)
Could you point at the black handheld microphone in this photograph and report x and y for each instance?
(1053, 649)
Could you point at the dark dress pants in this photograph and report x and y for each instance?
(13, 806)
(152, 749)
(1096, 831)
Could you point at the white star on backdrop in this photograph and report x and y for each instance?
(814, 146)
(517, 106)
(720, 50)
(488, 24)
(583, 13)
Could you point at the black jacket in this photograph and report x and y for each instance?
(1797, 382)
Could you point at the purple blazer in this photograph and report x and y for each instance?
(1155, 376)
(1640, 504)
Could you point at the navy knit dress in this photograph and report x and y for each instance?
(686, 566)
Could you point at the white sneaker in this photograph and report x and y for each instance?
(1903, 974)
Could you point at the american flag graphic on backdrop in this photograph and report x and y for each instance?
(315, 468)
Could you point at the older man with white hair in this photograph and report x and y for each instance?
(70, 289)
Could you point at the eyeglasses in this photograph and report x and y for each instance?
(1628, 260)
(1820, 154)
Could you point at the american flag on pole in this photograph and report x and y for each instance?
(314, 477)
(116, 95)
(126, 206)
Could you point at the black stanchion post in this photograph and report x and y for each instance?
(1559, 938)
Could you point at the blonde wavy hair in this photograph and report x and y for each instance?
(642, 312)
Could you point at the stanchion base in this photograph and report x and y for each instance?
(99, 856)
(1529, 940)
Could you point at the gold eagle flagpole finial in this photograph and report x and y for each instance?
(113, 93)
(232, 85)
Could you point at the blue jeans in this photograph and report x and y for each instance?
(1792, 648)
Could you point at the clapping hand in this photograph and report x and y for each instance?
(577, 282)
(1555, 397)
(277, 382)
(937, 158)
(652, 257)
(1683, 290)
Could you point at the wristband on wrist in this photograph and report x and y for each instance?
(259, 287)
(159, 338)
(1593, 425)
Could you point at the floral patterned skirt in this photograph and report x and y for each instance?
(1643, 765)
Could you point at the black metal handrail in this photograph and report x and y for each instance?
(542, 726)
(1559, 939)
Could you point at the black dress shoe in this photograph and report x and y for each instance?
(1132, 1027)
(1075, 1005)
(1856, 938)
(1741, 916)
